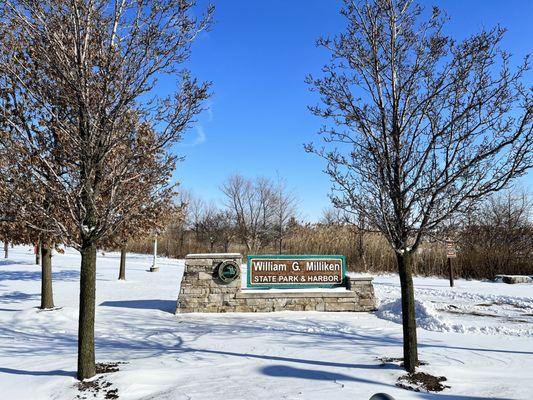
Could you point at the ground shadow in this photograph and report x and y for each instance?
(284, 371)
(295, 360)
(56, 372)
(13, 262)
(65, 275)
(480, 349)
(163, 305)
(16, 297)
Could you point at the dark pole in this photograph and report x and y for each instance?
(122, 269)
(38, 253)
(450, 271)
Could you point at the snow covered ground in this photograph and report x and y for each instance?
(478, 335)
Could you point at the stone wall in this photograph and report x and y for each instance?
(202, 291)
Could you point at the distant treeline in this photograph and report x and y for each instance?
(496, 238)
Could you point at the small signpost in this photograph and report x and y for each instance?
(296, 271)
(451, 252)
(154, 267)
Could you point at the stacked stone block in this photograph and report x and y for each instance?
(201, 290)
(362, 286)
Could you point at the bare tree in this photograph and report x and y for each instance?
(227, 229)
(216, 227)
(499, 233)
(419, 126)
(78, 83)
(196, 208)
(253, 205)
(264, 195)
(285, 203)
(177, 228)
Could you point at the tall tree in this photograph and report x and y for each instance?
(80, 86)
(419, 126)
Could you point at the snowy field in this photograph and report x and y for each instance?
(478, 334)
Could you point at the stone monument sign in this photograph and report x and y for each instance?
(214, 283)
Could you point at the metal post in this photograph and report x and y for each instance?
(154, 266)
(450, 271)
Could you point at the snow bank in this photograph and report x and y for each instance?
(426, 316)
(430, 318)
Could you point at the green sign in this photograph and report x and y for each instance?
(296, 271)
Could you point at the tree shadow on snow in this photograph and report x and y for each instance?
(16, 297)
(12, 262)
(56, 372)
(64, 275)
(478, 349)
(162, 305)
(284, 371)
(295, 360)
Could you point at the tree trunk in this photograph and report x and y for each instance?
(6, 249)
(410, 351)
(122, 271)
(86, 359)
(47, 296)
(38, 253)
(181, 241)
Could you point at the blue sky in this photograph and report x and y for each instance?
(257, 56)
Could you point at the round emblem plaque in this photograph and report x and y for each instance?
(228, 271)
